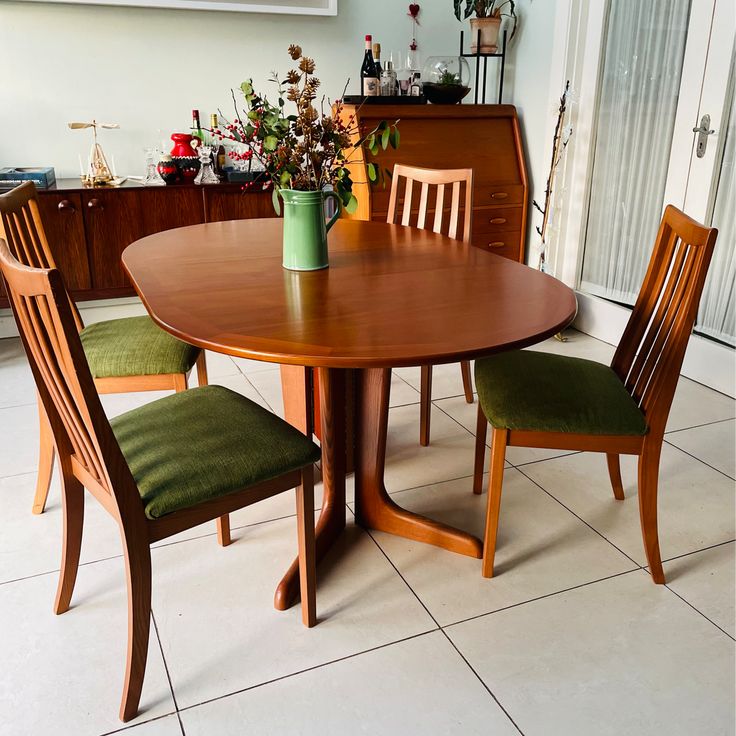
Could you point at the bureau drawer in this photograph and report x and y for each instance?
(496, 219)
(498, 194)
(506, 244)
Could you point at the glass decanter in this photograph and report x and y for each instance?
(153, 178)
(206, 173)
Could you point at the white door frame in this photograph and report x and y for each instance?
(577, 54)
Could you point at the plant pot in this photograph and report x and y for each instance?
(305, 229)
(444, 94)
(489, 29)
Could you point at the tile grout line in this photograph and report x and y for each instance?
(700, 460)
(123, 729)
(702, 549)
(166, 669)
(698, 611)
(698, 426)
(444, 633)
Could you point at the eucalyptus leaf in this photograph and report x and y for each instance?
(275, 200)
(372, 171)
(270, 142)
(352, 205)
(385, 136)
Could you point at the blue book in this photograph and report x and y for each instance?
(42, 176)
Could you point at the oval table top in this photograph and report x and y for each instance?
(392, 296)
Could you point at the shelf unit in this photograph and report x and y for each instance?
(478, 56)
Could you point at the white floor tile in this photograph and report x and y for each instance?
(696, 503)
(416, 687)
(447, 379)
(706, 581)
(218, 365)
(220, 632)
(714, 444)
(578, 345)
(268, 385)
(623, 656)
(240, 384)
(64, 674)
(166, 726)
(18, 440)
(695, 404)
(542, 548)
(17, 386)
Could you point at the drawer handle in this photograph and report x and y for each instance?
(499, 195)
(497, 220)
(496, 244)
(95, 204)
(66, 206)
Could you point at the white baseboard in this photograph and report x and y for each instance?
(706, 361)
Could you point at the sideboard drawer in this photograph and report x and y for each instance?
(506, 244)
(498, 194)
(496, 219)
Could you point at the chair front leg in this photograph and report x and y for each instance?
(648, 480)
(138, 572)
(72, 500)
(202, 369)
(467, 381)
(46, 452)
(425, 405)
(481, 432)
(307, 547)
(499, 438)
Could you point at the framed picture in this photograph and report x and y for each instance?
(299, 7)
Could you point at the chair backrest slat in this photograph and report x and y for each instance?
(22, 228)
(459, 179)
(652, 348)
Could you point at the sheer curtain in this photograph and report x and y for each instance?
(643, 55)
(717, 315)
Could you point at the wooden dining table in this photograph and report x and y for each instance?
(392, 296)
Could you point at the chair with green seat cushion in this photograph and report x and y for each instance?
(135, 346)
(525, 389)
(533, 399)
(130, 354)
(203, 443)
(164, 468)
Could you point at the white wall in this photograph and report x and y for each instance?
(147, 68)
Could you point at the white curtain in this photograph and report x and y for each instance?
(643, 55)
(717, 315)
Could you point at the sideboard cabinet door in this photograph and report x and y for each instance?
(221, 205)
(114, 218)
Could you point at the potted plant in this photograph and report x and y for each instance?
(487, 21)
(305, 155)
(445, 79)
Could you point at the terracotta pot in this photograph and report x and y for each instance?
(489, 29)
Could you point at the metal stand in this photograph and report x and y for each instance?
(478, 56)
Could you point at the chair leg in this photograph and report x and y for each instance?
(138, 571)
(46, 452)
(72, 500)
(307, 551)
(499, 438)
(481, 431)
(648, 479)
(223, 531)
(202, 369)
(425, 407)
(467, 381)
(614, 471)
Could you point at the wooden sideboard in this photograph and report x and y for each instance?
(88, 229)
(485, 138)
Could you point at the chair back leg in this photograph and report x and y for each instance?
(648, 479)
(46, 452)
(307, 546)
(72, 500)
(481, 432)
(425, 405)
(467, 381)
(614, 471)
(202, 369)
(499, 438)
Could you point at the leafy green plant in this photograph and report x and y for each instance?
(487, 9)
(448, 78)
(305, 149)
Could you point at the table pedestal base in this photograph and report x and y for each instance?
(374, 508)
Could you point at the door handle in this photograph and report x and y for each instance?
(703, 131)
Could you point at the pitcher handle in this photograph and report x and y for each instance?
(338, 201)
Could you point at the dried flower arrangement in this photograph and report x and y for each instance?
(308, 150)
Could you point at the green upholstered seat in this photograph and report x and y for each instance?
(525, 389)
(134, 346)
(204, 443)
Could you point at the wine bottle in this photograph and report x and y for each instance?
(377, 59)
(368, 72)
(197, 128)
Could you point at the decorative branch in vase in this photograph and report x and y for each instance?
(305, 155)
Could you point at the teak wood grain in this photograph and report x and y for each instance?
(648, 361)
(90, 456)
(392, 296)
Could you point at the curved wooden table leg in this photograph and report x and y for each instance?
(332, 517)
(373, 506)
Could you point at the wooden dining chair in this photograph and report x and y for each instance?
(534, 399)
(129, 354)
(444, 222)
(160, 469)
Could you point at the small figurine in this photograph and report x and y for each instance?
(98, 170)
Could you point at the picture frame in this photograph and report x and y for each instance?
(291, 7)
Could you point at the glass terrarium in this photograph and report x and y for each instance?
(446, 79)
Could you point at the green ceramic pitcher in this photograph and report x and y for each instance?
(305, 229)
